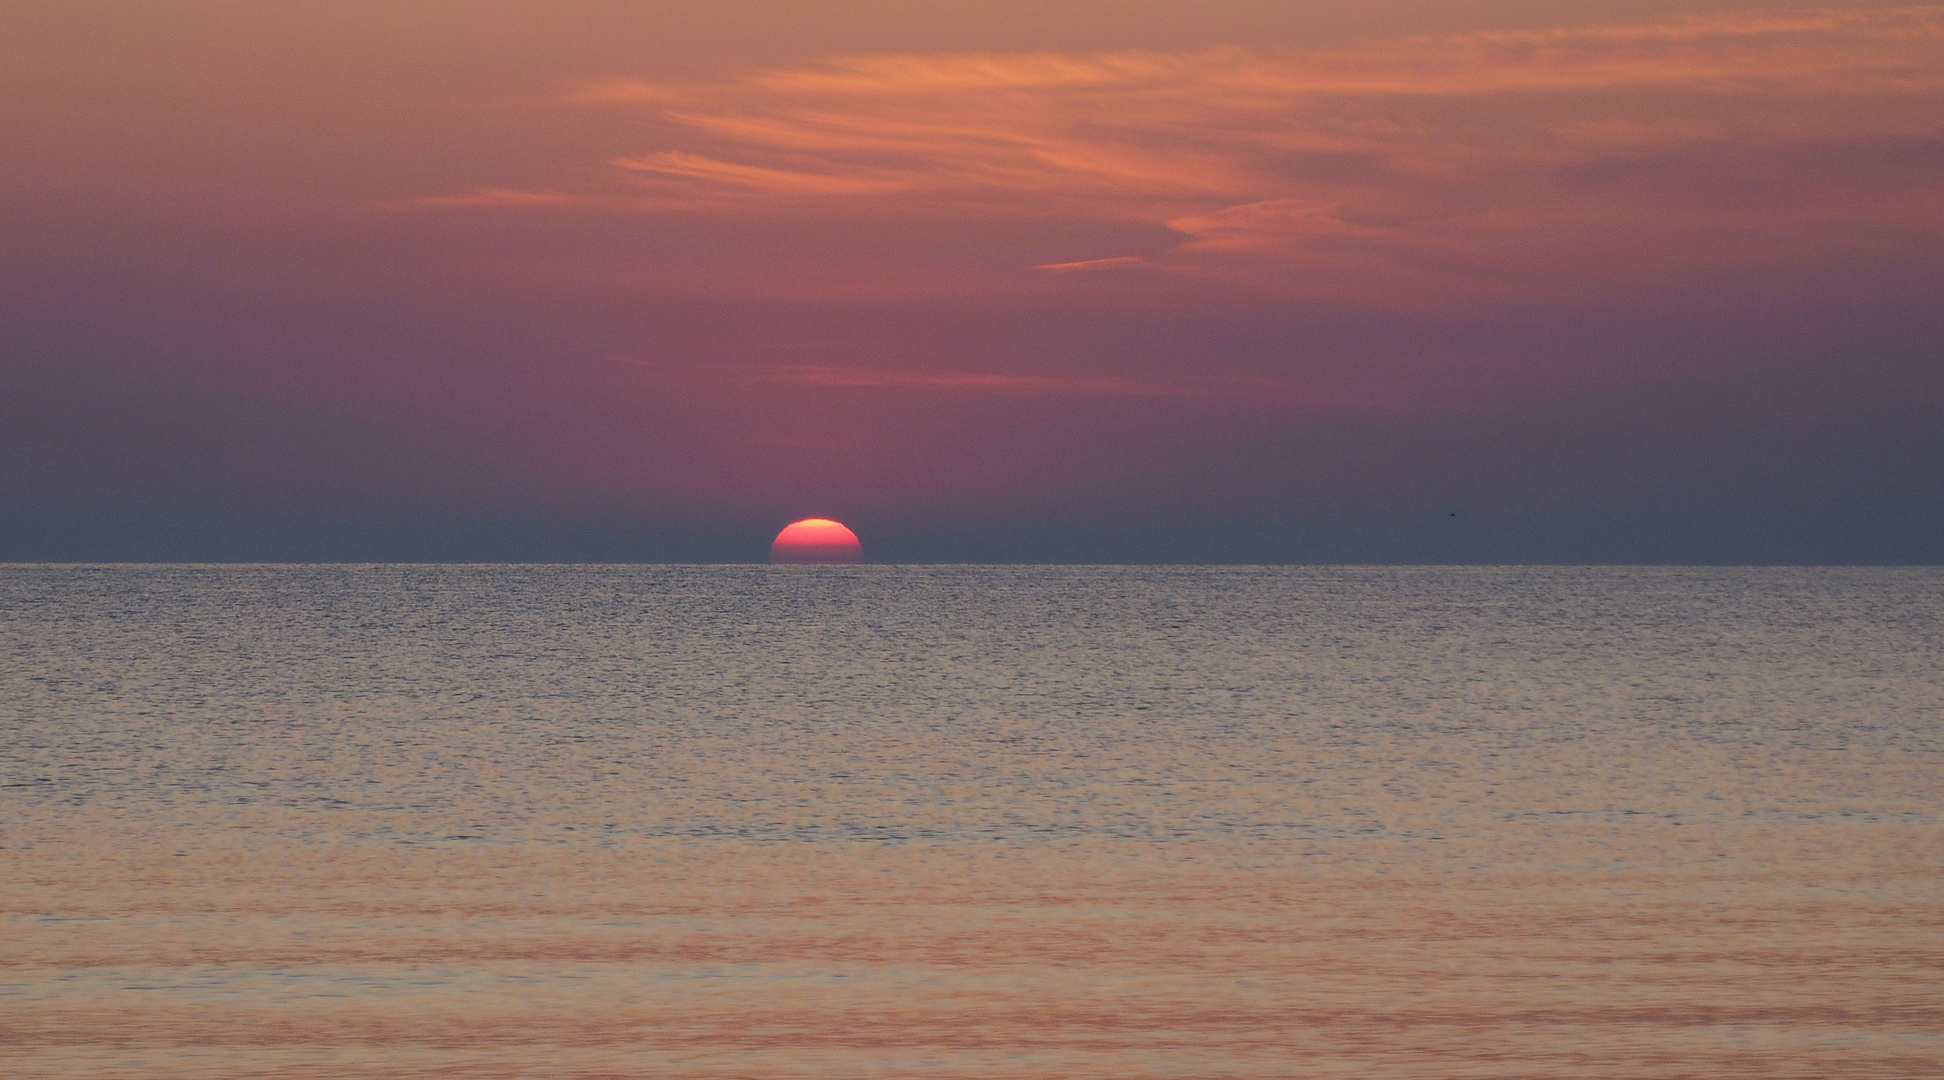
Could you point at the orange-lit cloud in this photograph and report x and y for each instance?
(1087, 266)
(775, 181)
(1534, 164)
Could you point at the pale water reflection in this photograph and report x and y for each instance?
(971, 822)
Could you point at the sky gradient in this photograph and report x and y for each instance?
(1440, 282)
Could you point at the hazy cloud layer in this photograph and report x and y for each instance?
(1532, 164)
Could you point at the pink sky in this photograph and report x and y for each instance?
(1048, 280)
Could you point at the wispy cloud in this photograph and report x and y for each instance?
(1455, 166)
(779, 181)
(1087, 266)
(1260, 389)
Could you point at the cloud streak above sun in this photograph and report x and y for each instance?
(1533, 165)
(1206, 387)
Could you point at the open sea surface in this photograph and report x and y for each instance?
(957, 822)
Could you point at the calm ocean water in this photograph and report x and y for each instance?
(551, 821)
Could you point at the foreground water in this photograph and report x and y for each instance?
(486, 821)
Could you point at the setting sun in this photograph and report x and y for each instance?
(816, 540)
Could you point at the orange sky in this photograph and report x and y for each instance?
(1085, 264)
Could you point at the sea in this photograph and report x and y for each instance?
(362, 821)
